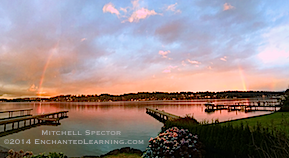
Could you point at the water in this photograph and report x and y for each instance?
(129, 118)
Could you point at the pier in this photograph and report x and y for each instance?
(19, 124)
(161, 115)
(245, 106)
(19, 113)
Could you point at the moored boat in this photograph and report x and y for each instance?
(210, 104)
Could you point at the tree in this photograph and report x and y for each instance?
(285, 102)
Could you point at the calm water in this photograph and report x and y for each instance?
(129, 118)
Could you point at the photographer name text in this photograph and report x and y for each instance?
(86, 132)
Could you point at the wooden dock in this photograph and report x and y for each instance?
(246, 107)
(161, 115)
(32, 120)
(20, 112)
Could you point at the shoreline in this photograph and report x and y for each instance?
(144, 100)
(127, 150)
(247, 117)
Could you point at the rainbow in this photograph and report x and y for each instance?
(54, 49)
(242, 78)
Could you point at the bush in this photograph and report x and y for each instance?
(174, 143)
(29, 154)
(285, 102)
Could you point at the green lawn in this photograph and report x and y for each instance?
(275, 121)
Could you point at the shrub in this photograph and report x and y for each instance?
(20, 154)
(174, 142)
(29, 154)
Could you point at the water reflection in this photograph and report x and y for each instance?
(128, 117)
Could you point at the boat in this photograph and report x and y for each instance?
(210, 104)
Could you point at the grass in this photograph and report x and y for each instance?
(187, 120)
(261, 136)
(124, 155)
(277, 121)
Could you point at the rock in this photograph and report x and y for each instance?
(125, 150)
(113, 152)
(136, 151)
(118, 151)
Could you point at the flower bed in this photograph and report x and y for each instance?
(174, 142)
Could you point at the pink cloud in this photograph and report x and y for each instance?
(168, 69)
(135, 13)
(164, 53)
(141, 14)
(33, 88)
(173, 67)
(110, 8)
(172, 8)
(123, 9)
(228, 6)
(83, 39)
(194, 62)
(135, 4)
(224, 58)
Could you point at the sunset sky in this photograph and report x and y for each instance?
(54, 47)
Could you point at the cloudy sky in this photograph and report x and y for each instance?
(53, 47)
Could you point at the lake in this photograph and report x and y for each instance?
(95, 128)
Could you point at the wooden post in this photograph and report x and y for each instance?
(13, 125)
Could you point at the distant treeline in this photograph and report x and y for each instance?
(145, 96)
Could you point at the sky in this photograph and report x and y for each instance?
(58, 47)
